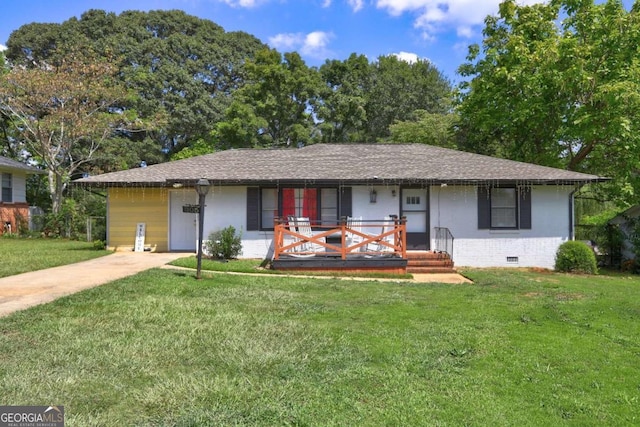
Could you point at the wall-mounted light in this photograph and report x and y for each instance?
(393, 192)
(373, 196)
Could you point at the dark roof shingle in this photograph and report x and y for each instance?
(353, 163)
(6, 163)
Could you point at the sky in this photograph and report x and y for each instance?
(437, 30)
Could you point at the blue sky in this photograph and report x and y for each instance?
(438, 30)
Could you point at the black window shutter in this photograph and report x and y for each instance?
(524, 203)
(346, 206)
(484, 209)
(253, 208)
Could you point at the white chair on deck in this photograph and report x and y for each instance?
(379, 246)
(354, 226)
(302, 225)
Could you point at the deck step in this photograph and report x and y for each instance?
(427, 262)
(430, 270)
(426, 255)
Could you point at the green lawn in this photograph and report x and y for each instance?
(160, 348)
(22, 255)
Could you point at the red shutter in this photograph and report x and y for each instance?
(288, 202)
(310, 204)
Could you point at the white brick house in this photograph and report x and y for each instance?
(499, 212)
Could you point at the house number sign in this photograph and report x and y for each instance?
(191, 209)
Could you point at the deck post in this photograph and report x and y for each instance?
(403, 237)
(277, 236)
(343, 237)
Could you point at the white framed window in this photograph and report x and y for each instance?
(504, 208)
(269, 206)
(7, 188)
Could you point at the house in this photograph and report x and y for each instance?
(498, 212)
(14, 209)
(627, 222)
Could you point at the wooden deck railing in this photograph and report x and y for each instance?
(368, 238)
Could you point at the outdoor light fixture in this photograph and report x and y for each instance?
(373, 195)
(202, 188)
(393, 192)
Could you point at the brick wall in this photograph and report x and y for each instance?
(13, 213)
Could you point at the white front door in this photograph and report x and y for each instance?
(182, 225)
(415, 207)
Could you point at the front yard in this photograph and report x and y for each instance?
(23, 255)
(160, 348)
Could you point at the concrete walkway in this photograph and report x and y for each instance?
(38, 287)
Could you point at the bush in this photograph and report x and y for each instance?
(576, 257)
(224, 244)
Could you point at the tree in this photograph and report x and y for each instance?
(425, 128)
(64, 113)
(397, 88)
(565, 95)
(274, 108)
(342, 109)
(176, 63)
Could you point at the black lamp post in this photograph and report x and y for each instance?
(202, 188)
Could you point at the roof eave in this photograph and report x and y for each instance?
(178, 182)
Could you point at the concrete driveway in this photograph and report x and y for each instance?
(39, 287)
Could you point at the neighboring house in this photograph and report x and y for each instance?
(14, 209)
(500, 212)
(627, 221)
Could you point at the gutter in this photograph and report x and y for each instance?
(572, 208)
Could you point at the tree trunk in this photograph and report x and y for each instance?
(56, 190)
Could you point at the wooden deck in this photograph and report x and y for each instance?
(360, 246)
(351, 246)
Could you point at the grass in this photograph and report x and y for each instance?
(255, 266)
(23, 255)
(161, 349)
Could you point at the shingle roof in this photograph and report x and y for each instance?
(348, 163)
(6, 163)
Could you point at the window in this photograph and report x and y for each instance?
(7, 188)
(269, 207)
(504, 208)
(329, 204)
(300, 202)
(318, 204)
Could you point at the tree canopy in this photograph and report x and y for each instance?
(286, 102)
(558, 84)
(63, 113)
(175, 63)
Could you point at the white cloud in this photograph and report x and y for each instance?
(288, 41)
(326, 3)
(356, 5)
(409, 57)
(433, 16)
(243, 3)
(465, 31)
(2, 47)
(313, 44)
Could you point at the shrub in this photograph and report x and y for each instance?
(576, 257)
(224, 244)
